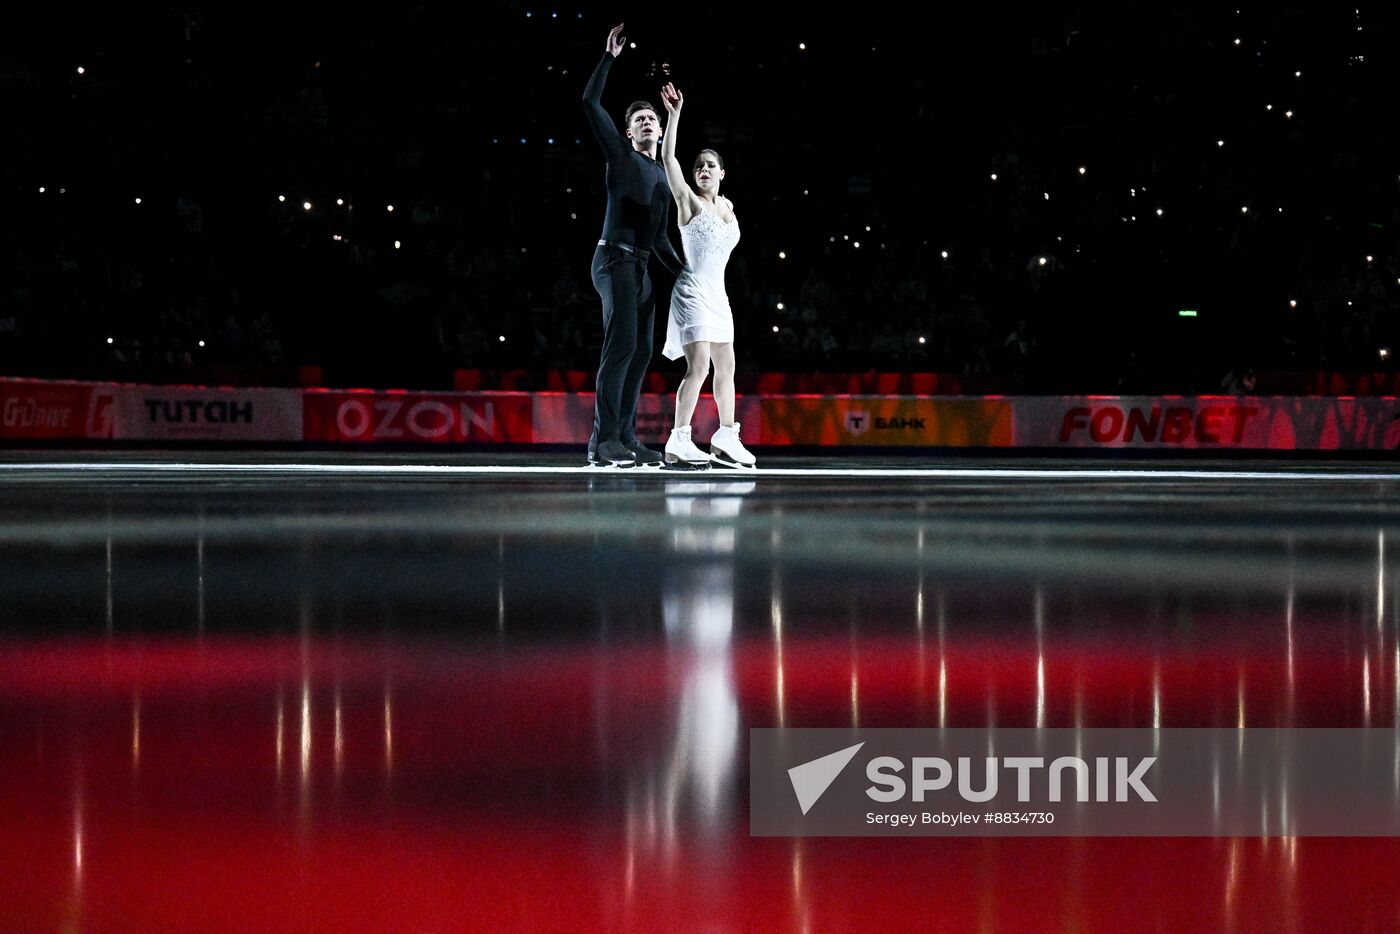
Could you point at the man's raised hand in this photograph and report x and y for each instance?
(616, 40)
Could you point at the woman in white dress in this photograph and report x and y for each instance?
(701, 325)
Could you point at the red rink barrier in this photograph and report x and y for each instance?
(47, 410)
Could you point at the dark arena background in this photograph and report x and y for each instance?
(1065, 343)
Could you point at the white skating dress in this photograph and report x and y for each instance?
(699, 305)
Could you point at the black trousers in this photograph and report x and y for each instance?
(629, 310)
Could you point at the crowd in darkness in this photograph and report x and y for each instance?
(390, 196)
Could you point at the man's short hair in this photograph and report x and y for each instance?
(636, 106)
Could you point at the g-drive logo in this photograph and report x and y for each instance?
(1112, 778)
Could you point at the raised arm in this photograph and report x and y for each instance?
(598, 120)
(687, 203)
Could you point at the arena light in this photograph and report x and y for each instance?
(1186, 313)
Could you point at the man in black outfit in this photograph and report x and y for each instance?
(634, 229)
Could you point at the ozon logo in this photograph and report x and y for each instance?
(426, 419)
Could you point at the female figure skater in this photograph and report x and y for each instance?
(701, 325)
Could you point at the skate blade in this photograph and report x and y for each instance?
(719, 460)
(675, 463)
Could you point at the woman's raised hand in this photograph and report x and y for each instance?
(672, 98)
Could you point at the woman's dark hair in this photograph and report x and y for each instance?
(718, 158)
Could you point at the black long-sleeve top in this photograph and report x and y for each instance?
(639, 196)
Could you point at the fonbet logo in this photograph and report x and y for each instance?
(1112, 779)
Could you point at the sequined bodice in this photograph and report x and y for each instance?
(708, 241)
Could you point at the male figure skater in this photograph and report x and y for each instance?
(634, 229)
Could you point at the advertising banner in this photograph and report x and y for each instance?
(202, 413)
(1277, 423)
(901, 421)
(415, 417)
(567, 418)
(51, 410)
